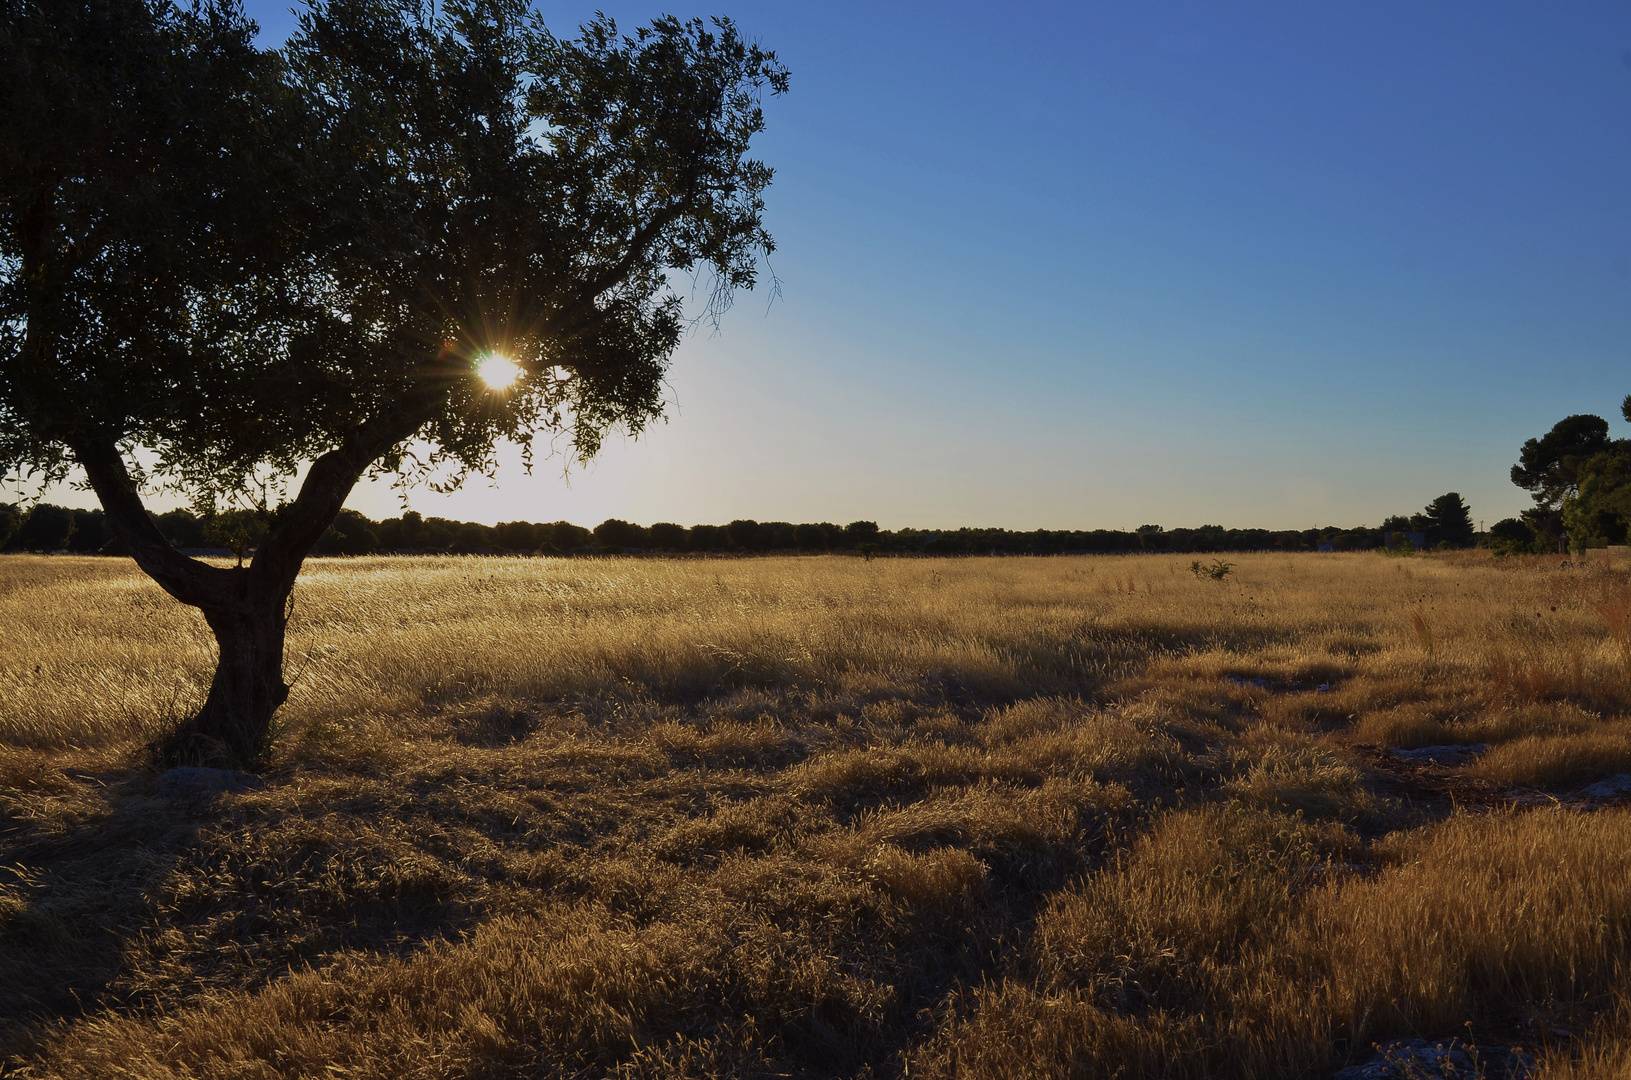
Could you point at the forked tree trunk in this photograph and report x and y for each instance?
(235, 722)
(246, 607)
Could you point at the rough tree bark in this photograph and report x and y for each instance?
(247, 689)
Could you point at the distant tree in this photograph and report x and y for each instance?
(245, 262)
(405, 533)
(1548, 468)
(351, 534)
(778, 535)
(568, 537)
(1356, 539)
(1447, 520)
(814, 537)
(707, 538)
(518, 535)
(180, 528)
(90, 532)
(1511, 529)
(10, 519)
(860, 532)
(45, 528)
(745, 534)
(616, 535)
(667, 536)
(238, 530)
(469, 538)
(1509, 536)
(1598, 511)
(437, 533)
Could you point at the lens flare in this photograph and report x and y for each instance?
(498, 372)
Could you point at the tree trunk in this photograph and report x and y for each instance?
(247, 607)
(234, 725)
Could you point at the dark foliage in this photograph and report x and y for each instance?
(707, 538)
(666, 536)
(615, 535)
(1509, 536)
(860, 532)
(745, 534)
(355, 534)
(566, 536)
(517, 535)
(1580, 480)
(1549, 466)
(245, 262)
(1511, 529)
(817, 537)
(46, 528)
(351, 534)
(1447, 520)
(471, 539)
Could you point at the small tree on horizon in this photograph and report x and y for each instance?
(1448, 520)
(247, 263)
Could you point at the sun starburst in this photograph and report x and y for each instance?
(498, 372)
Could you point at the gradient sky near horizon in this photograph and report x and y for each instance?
(1098, 265)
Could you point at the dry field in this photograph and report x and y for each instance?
(822, 817)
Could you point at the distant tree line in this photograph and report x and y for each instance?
(1445, 522)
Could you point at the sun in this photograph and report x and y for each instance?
(498, 372)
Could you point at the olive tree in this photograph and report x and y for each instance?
(224, 270)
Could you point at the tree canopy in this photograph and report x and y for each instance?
(1448, 521)
(134, 205)
(245, 263)
(1548, 466)
(1580, 479)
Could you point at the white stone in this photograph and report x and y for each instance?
(1612, 788)
(1438, 755)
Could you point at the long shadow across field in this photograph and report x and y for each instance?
(115, 909)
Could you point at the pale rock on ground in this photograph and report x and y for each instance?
(1438, 755)
(1612, 788)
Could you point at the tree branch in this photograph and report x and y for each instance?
(186, 579)
(328, 483)
(570, 320)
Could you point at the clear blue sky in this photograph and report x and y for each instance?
(1096, 265)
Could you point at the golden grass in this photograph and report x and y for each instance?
(1553, 760)
(824, 817)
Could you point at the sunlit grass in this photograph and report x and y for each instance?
(973, 818)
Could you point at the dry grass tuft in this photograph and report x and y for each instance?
(1246, 945)
(1406, 726)
(1558, 760)
(824, 817)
